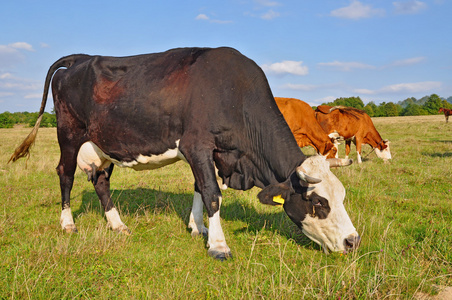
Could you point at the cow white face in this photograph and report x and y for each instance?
(317, 209)
(384, 154)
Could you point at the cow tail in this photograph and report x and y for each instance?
(24, 148)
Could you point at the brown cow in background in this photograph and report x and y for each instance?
(302, 122)
(447, 112)
(353, 125)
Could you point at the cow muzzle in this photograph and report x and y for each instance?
(352, 242)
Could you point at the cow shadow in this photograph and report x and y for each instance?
(447, 154)
(142, 201)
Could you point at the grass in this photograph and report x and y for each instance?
(403, 211)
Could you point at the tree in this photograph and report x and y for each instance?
(7, 120)
(390, 109)
(371, 109)
(413, 110)
(446, 104)
(355, 102)
(433, 104)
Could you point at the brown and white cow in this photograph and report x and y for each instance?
(212, 108)
(354, 125)
(304, 126)
(447, 112)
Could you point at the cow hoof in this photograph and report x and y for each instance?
(204, 232)
(123, 230)
(219, 255)
(70, 228)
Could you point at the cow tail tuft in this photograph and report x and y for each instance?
(24, 148)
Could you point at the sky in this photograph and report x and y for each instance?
(316, 51)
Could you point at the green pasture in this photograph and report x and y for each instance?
(402, 210)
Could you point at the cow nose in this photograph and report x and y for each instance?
(352, 242)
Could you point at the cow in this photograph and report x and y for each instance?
(210, 107)
(354, 125)
(304, 126)
(447, 112)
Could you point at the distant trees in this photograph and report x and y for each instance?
(355, 102)
(8, 120)
(428, 105)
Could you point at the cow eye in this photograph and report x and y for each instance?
(316, 203)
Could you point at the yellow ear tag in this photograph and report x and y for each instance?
(278, 199)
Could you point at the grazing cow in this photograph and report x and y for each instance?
(353, 125)
(212, 108)
(302, 122)
(447, 112)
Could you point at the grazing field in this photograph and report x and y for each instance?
(402, 210)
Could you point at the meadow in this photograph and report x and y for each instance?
(402, 210)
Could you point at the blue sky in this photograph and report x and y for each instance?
(316, 51)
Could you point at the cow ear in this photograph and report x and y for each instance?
(275, 194)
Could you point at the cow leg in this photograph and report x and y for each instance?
(358, 151)
(447, 119)
(347, 147)
(101, 182)
(66, 170)
(196, 218)
(201, 162)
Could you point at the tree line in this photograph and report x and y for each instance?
(428, 105)
(8, 120)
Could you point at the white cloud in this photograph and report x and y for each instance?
(270, 15)
(408, 61)
(409, 7)
(22, 45)
(6, 76)
(10, 82)
(286, 67)
(356, 10)
(413, 87)
(33, 96)
(346, 66)
(364, 91)
(204, 17)
(11, 54)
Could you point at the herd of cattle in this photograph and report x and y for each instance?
(323, 127)
(212, 108)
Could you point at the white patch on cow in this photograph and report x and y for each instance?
(196, 222)
(220, 181)
(90, 155)
(216, 240)
(334, 135)
(114, 220)
(358, 157)
(331, 232)
(66, 219)
(384, 154)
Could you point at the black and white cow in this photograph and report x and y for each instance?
(212, 108)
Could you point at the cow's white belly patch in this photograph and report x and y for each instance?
(91, 156)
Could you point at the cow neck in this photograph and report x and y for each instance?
(275, 148)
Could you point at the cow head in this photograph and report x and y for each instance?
(383, 153)
(313, 199)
